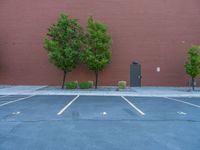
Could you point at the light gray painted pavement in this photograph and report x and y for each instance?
(103, 91)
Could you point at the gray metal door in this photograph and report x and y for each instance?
(135, 74)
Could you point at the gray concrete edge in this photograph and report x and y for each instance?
(136, 92)
(101, 94)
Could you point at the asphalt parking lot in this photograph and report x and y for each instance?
(34, 122)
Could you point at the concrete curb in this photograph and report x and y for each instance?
(136, 92)
(102, 94)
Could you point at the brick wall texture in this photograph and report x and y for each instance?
(155, 33)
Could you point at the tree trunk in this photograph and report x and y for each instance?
(193, 80)
(96, 82)
(63, 83)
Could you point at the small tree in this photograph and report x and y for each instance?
(97, 53)
(192, 66)
(63, 43)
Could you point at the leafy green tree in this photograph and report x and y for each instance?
(192, 66)
(97, 52)
(63, 43)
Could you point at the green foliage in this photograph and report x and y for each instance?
(63, 43)
(91, 83)
(71, 84)
(122, 84)
(97, 53)
(85, 85)
(192, 66)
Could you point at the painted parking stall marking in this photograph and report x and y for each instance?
(37, 108)
(132, 105)
(4, 96)
(64, 108)
(19, 99)
(181, 101)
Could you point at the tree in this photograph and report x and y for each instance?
(97, 52)
(63, 43)
(192, 66)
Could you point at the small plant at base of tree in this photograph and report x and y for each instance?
(121, 84)
(71, 85)
(97, 52)
(85, 85)
(63, 43)
(192, 66)
(91, 83)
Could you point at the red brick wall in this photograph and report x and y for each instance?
(154, 33)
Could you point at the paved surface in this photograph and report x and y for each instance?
(76, 122)
(106, 91)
